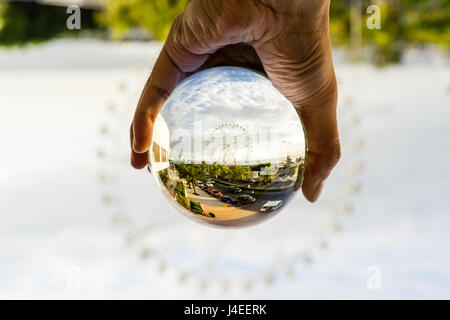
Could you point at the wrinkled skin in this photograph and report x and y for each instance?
(286, 39)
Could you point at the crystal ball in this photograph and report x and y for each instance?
(228, 148)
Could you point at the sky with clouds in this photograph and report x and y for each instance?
(229, 95)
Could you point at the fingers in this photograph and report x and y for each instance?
(188, 46)
(170, 68)
(323, 145)
(154, 94)
(138, 160)
(299, 64)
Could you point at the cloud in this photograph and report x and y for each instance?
(229, 95)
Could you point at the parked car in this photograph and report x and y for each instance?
(204, 188)
(235, 189)
(217, 194)
(245, 198)
(209, 184)
(270, 206)
(228, 199)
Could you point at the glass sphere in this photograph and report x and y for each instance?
(228, 148)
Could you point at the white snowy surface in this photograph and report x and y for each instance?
(56, 238)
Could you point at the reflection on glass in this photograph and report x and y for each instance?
(228, 149)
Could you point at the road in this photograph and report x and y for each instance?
(235, 215)
(261, 198)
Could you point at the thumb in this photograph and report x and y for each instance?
(323, 145)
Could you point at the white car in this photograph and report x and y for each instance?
(209, 184)
(270, 206)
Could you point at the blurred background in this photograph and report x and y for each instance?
(77, 222)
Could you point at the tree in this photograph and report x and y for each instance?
(267, 176)
(265, 180)
(403, 22)
(204, 169)
(182, 170)
(224, 171)
(184, 201)
(215, 170)
(24, 22)
(179, 189)
(238, 173)
(164, 176)
(192, 175)
(196, 208)
(154, 16)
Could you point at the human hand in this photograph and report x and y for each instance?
(286, 39)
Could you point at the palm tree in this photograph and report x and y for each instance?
(267, 176)
(239, 172)
(234, 172)
(182, 170)
(215, 170)
(192, 175)
(266, 179)
(204, 168)
(245, 172)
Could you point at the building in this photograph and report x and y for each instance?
(160, 149)
(253, 175)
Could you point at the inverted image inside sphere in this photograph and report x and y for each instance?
(228, 148)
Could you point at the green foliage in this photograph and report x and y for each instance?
(21, 23)
(238, 173)
(155, 16)
(196, 207)
(267, 178)
(258, 167)
(403, 23)
(179, 189)
(204, 169)
(164, 176)
(190, 172)
(184, 201)
(215, 170)
(224, 170)
(256, 189)
(181, 169)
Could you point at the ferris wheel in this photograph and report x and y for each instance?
(229, 144)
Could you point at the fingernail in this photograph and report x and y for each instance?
(132, 161)
(137, 149)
